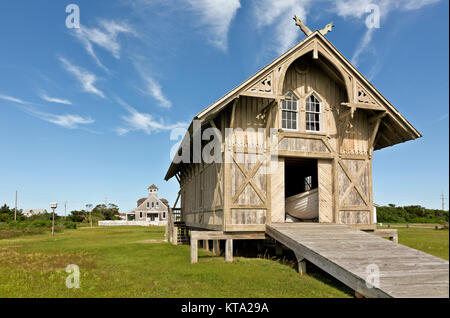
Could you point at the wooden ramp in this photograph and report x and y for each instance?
(351, 255)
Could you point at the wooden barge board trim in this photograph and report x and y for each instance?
(348, 254)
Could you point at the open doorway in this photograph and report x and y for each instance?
(301, 190)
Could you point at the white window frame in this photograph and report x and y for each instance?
(291, 111)
(310, 112)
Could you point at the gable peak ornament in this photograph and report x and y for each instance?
(328, 28)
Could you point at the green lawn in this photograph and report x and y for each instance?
(134, 262)
(127, 262)
(431, 241)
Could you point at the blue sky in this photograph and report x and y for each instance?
(87, 113)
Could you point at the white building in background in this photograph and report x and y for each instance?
(31, 212)
(150, 209)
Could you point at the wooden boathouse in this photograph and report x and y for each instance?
(294, 162)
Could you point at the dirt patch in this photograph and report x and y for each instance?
(119, 233)
(151, 241)
(44, 261)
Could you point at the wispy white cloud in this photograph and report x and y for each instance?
(217, 16)
(70, 121)
(278, 14)
(155, 90)
(443, 117)
(358, 9)
(56, 100)
(151, 86)
(137, 121)
(362, 46)
(13, 99)
(104, 36)
(86, 79)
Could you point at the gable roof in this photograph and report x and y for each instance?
(161, 207)
(315, 40)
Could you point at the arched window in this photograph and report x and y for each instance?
(289, 112)
(313, 113)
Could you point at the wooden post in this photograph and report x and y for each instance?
(229, 250)
(278, 250)
(216, 247)
(174, 234)
(53, 222)
(301, 263)
(194, 251)
(395, 238)
(206, 245)
(166, 228)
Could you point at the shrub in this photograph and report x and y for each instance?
(70, 225)
(41, 223)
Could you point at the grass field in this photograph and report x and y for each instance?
(431, 241)
(134, 262)
(130, 262)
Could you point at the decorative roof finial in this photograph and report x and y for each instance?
(302, 26)
(328, 28)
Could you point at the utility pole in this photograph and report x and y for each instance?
(15, 208)
(53, 206)
(65, 208)
(89, 208)
(443, 201)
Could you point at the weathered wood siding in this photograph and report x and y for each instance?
(355, 191)
(325, 176)
(202, 196)
(344, 196)
(278, 196)
(240, 196)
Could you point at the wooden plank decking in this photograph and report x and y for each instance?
(349, 255)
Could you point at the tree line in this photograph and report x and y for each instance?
(410, 214)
